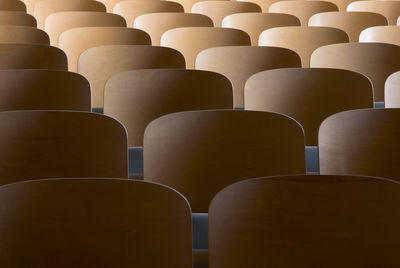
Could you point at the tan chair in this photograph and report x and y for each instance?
(32, 56)
(23, 35)
(12, 5)
(302, 9)
(156, 24)
(217, 10)
(381, 34)
(98, 64)
(77, 40)
(132, 9)
(135, 100)
(264, 4)
(303, 40)
(190, 41)
(308, 95)
(350, 22)
(305, 221)
(17, 18)
(110, 4)
(94, 223)
(59, 22)
(238, 63)
(389, 9)
(374, 60)
(392, 91)
(188, 4)
(43, 90)
(255, 23)
(198, 153)
(30, 4)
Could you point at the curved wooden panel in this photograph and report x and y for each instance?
(14, 34)
(12, 5)
(389, 9)
(17, 18)
(382, 34)
(392, 91)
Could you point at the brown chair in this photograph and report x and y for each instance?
(43, 90)
(94, 223)
(255, 23)
(238, 63)
(198, 153)
(77, 40)
(155, 24)
(132, 9)
(98, 64)
(22, 35)
(389, 9)
(59, 22)
(350, 22)
(392, 91)
(217, 10)
(12, 5)
(303, 40)
(32, 56)
(381, 34)
(190, 41)
(188, 4)
(16, 18)
(374, 60)
(308, 95)
(302, 9)
(264, 4)
(306, 221)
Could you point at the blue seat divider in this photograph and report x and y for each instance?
(135, 155)
(200, 230)
(312, 159)
(379, 104)
(98, 110)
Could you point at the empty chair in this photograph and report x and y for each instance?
(23, 35)
(191, 40)
(302, 9)
(350, 22)
(264, 4)
(77, 40)
(198, 153)
(303, 40)
(59, 22)
(392, 91)
(381, 34)
(94, 223)
(308, 95)
(217, 10)
(238, 63)
(134, 8)
(98, 64)
(305, 221)
(389, 9)
(12, 5)
(255, 23)
(16, 18)
(188, 4)
(374, 60)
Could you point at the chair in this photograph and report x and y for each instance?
(59, 22)
(132, 9)
(43, 90)
(381, 34)
(98, 64)
(302, 9)
(77, 40)
(303, 40)
(22, 35)
(188, 4)
(308, 95)
(264, 4)
(94, 223)
(255, 23)
(16, 18)
(374, 60)
(198, 153)
(32, 56)
(46, 7)
(305, 221)
(12, 5)
(156, 24)
(389, 9)
(238, 63)
(342, 4)
(217, 10)
(392, 86)
(350, 22)
(110, 4)
(190, 41)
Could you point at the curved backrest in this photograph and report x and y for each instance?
(59, 22)
(392, 91)
(94, 223)
(16, 18)
(22, 35)
(188, 4)
(43, 90)
(264, 4)
(200, 152)
(302, 9)
(135, 100)
(389, 9)
(217, 10)
(191, 40)
(305, 221)
(98, 64)
(155, 24)
(255, 23)
(308, 95)
(303, 40)
(54, 144)
(12, 5)
(374, 60)
(239, 63)
(131, 9)
(46, 7)
(77, 40)
(364, 142)
(381, 34)
(350, 22)
(32, 56)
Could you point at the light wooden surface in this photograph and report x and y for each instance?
(392, 91)
(14, 34)
(389, 9)
(17, 18)
(382, 34)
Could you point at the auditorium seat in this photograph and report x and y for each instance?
(389, 9)
(188, 4)
(264, 4)
(17, 18)
(23, 35)
(12, 5)
(392, 91)
(381, 34)
(342, 4)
